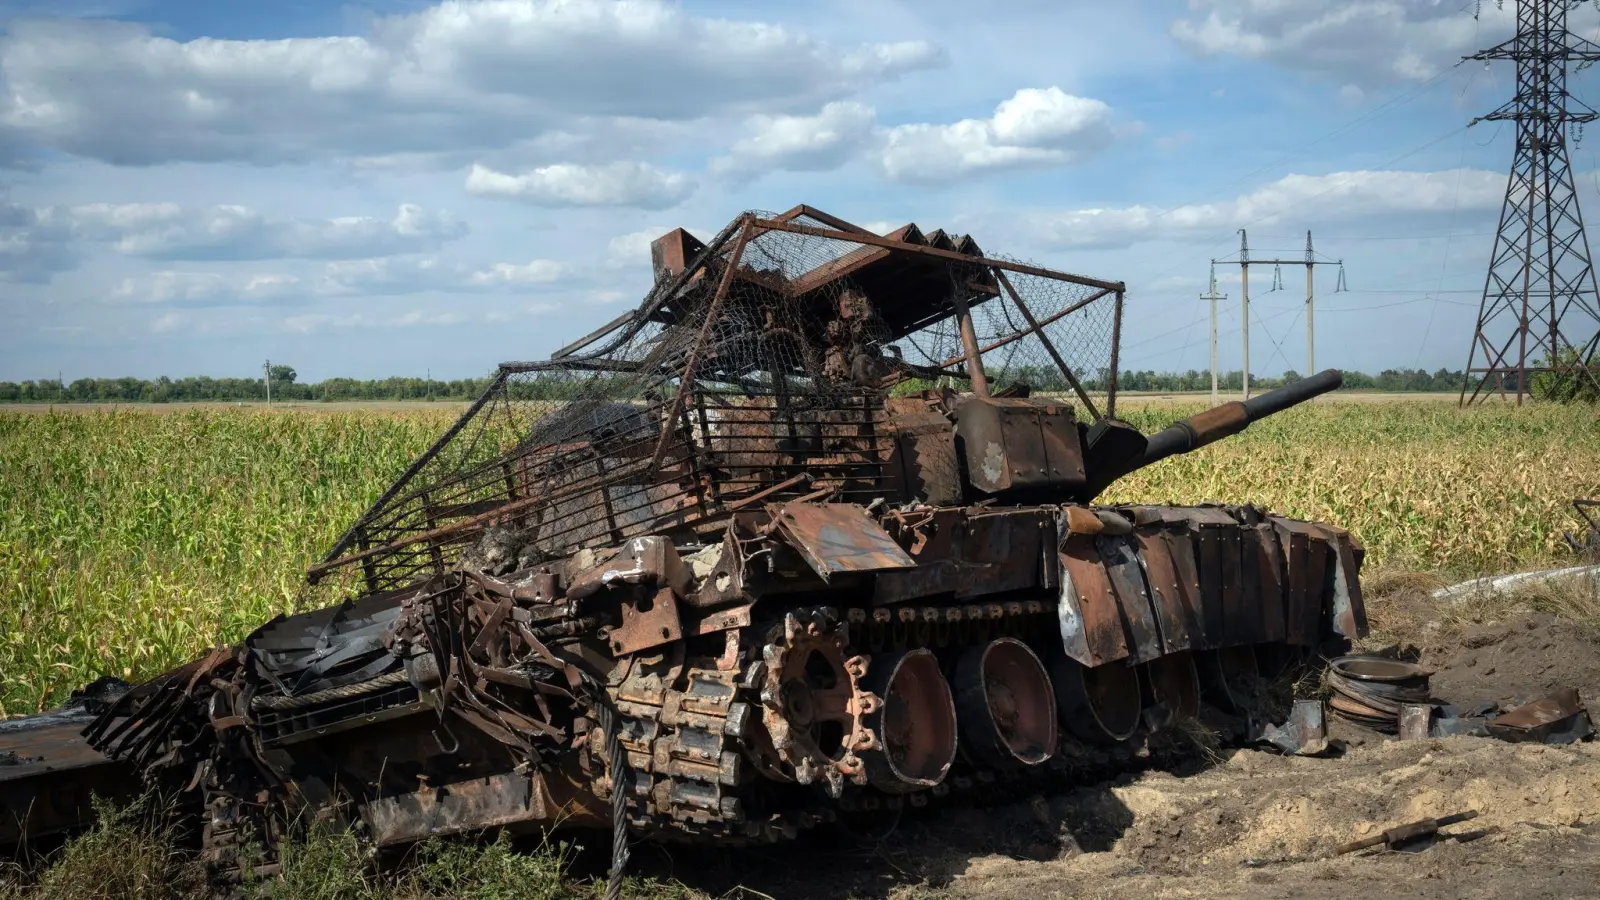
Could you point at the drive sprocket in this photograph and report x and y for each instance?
(812, 702)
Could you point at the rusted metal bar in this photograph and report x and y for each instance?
(891, 244)
(1116, 349)
(814, 213)
(969, 340)
(1044, 339)
(802, 478)
(687, 381)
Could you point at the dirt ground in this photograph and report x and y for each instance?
(1254, 825)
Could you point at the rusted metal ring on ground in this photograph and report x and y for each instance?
(1369, 690)
(1229, 678)
(1174, 684)
(1099, 704)
(1005, 705)
(914, 722)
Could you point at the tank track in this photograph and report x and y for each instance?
(702, 766)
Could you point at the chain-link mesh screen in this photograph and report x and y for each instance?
(755, 372)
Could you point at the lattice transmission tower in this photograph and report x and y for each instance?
(1540, 314)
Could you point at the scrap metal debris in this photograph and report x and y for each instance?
(1370, 690)
(1402, 835)
(1557, 719)
(1304, 733)
(1586, 544)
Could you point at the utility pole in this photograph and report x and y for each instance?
(1310, 262)
(1540, 271)
(1213, 297)
(1311, 328)
(266, 368)
(1244, 290)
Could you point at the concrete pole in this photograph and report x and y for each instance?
(1212, 296)
(1311, 328)
(266, 369)
(1244, 284)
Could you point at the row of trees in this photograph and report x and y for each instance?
(286, 387)
(1417, 380)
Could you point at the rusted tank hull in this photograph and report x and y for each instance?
(767, 683)
(731, 572)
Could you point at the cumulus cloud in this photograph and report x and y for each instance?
(1337, 197)
(632, 250)
(1370, 43)
(172, 232)
(172, 288)
(34, 244)
(311, 323)
(1035, 127)
(567, 184)
(464, 73)
(413, 275)
(538, 271)
(801, 143)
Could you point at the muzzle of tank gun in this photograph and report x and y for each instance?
(1113, 448)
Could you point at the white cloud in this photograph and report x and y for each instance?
(1035, 127)
(168, 322)
(1337, 197)
(567, 184)
(169, 231)
(34, 244)
(412, 275)
(463, 73)
(801, 143)
(310, 323)
(538, 271)
(418, 317)
(171, 288)
(1369, 43)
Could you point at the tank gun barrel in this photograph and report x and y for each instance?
(1113, 449)
(1229, 419)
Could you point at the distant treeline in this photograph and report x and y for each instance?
(286, 388)
(1415, 380)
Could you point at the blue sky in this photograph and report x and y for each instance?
(399, 188)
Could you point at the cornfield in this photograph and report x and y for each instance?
(131, 540)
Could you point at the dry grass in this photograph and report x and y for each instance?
(1401, 606)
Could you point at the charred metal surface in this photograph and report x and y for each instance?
(723, 569)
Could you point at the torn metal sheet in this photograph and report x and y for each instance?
(1560, 718)
(1304, 733)
(838, 538)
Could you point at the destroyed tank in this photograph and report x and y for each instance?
(808, 536)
